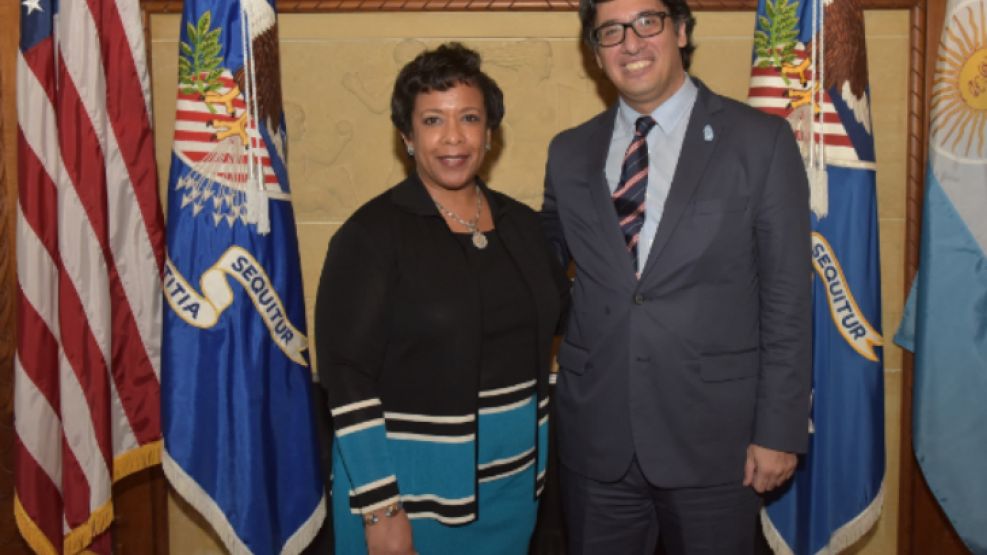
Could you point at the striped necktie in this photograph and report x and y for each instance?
(628, 198)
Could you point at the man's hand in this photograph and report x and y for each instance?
(767, 469)
(390, 536)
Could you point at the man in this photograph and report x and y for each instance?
(684, 384)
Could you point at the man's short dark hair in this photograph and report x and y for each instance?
(441, 69)
(678, 9)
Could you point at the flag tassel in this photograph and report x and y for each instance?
(257, 201)
(818, 191)
(257, 209)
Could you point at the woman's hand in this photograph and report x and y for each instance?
(391, 535)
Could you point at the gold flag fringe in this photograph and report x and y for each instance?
(81, 536)
(136, 459)
(35, 538)
(78, 539)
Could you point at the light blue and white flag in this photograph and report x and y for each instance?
(238, 425)
(945, 321)
(810, 67)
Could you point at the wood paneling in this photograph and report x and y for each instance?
(10, 540)
(140, 524)
(922, 526)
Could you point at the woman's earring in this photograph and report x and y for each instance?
(487, 147)
(410, 149)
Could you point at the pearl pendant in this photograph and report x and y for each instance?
(479, 240)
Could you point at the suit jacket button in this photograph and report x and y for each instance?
(638, 299)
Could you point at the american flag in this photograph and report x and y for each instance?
(90, 254)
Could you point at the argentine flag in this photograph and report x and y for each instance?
(945, 321)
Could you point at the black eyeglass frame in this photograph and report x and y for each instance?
(632, 24)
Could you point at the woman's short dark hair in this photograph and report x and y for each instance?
(441, 69)
(678, 9)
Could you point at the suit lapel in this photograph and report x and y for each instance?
(701, 137)
(597, 149)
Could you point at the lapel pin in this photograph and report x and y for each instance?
(708, 133)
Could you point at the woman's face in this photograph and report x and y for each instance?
(449, 134)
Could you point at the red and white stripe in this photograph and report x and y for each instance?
(769, 93)
(89, 264)
(195, 136)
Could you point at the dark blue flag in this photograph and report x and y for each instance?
(810, 67)
(240, 444)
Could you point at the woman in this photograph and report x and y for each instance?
(434, 319)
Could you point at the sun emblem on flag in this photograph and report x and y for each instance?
(231, 175)
(959, 94)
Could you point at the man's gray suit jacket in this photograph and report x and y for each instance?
(710, 350)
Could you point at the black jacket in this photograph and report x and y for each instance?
(398, 311)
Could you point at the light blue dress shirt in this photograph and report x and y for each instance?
(664, 146)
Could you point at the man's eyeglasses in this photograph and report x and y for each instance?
(646, 24)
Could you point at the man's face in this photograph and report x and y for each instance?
(646, 71)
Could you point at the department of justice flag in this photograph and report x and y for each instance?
(810, 67)
(90, 252)
(239, 438)
(946, 314)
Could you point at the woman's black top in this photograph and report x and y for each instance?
(399, 327)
